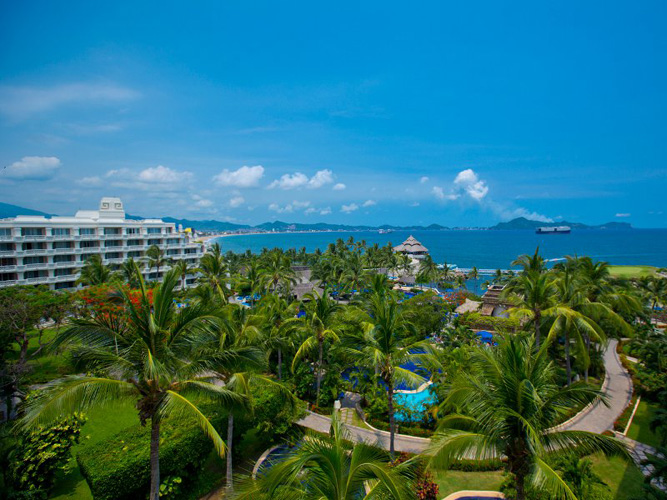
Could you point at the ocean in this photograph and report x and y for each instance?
(485, 249)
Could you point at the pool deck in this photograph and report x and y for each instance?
(596, 417)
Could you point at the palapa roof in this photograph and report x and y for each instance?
(301, 289)
(411, 245)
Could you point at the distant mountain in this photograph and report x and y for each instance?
(7, 210)
(523, 223)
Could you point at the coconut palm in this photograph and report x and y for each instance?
(530, 263)
(532, 293)
(234, 357)
(279, 319)
(94, 272)
(128, 274)
(428, 270)
(182, 269)
(332, 467)
(278, 273)
(149, 367)
(319, 324)
(388, 340)
(506, 407)
(156, 259)
(354, 275)
(214, 272)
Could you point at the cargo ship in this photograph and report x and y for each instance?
(553, 230)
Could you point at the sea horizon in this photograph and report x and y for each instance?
(480, 248)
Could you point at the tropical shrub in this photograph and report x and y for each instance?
(119, 467)
(39, 454)
(498, 324)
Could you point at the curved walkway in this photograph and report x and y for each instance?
(597, 417)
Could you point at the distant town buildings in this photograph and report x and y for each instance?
(38, 250)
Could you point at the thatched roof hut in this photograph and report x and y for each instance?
(411, 247)
(492, 302)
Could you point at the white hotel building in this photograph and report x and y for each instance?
(38, 250)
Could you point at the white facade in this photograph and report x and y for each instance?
(39, 250)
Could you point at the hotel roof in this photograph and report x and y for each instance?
(411, 245)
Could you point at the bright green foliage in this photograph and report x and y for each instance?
(119, 467)
(497, 324)
(41, 452)
(273, 413)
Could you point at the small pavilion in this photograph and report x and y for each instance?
(412, 247)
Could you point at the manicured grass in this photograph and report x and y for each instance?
(640, 429)
(631, 271)
(623, 477)
(102, 423)
(451, 481)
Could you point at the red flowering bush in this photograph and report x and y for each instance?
(107, 301)
(425, 487)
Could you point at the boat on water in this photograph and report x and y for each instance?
(385, 231)
(553, 230)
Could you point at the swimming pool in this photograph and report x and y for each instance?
(414, 404)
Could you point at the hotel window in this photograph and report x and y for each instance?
(133, 230)
(8, 261)
(154, 242)
(113, 243)
(154, 230)
(63, 258)
(133, 254)
(32, 231)
(64, 272)
(60, 231)
(5, 231)
(135, 243)
(112, 230)
(87, 231)
(35, 274)
(7, 247)
(89, 244)
(7, 276)
(33, 260)
(113, 255)
(62, 244)
(34, 246)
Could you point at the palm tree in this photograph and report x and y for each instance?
(507, 405)
(235, 359)
(94, 272)
(530, 263)
(278, 273)
(428, 270)
(535, 293)
(388, 341)
(128, 274)
(150, 367)
(474, 273)
(279, 323)
(354, 274)
(156, 259)
(182, 269)
(331, 467)
(214, 272)
(319, 325)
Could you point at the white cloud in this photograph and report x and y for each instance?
(439, 193)
(623, 215)
(423, 180)
(349, 208)
(320, 178)
(288, 181)
(339, 187)
(322, 211)
(507, 213)
(236, 201)
(204, 203)
(243, 177)
(298, 180)
(290, 207)
(93, 181)
(469, 181)
(369, 203)
(22, 102)
(162, 174)
(35, 168)
(325, 211)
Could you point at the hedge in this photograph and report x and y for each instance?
(119, 467)
(497, 324)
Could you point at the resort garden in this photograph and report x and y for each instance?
(261, 381)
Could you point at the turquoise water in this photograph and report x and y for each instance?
(486, 249)
(416, 401)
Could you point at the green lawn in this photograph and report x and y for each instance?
(623, 478)
(631, 271)
(453, 480)
(640, 429)
(102, 423)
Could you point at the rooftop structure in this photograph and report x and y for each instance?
(412, 247)
(37, 250)
(493, 303)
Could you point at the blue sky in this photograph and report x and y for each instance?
(357, 112)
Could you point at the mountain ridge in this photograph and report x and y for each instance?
(519, 223)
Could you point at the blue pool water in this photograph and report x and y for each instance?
(417, 402)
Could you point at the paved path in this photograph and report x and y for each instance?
(408, 444)
(639, 452)
(595, 418)
(617, 387)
